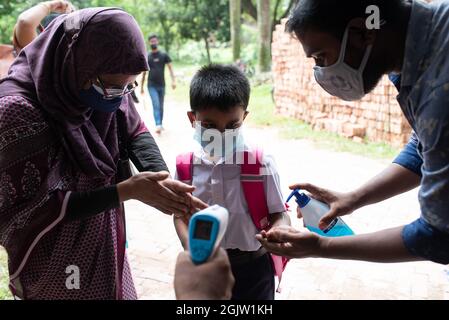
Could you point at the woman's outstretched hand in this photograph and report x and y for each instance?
(158, 190)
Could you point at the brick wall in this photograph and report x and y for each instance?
(377, 117)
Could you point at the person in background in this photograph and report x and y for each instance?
(34, 20)
(29, 24)
(157, 60)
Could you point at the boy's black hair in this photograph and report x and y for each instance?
(153, 36)
(333, 16)
(219, 86)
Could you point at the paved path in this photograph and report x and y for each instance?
(153, 245)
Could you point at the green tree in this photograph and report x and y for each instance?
(235, 17)
(9, 11)
(202, 19)
(264, 27)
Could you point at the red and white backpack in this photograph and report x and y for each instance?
(252, 181)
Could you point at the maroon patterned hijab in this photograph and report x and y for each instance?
(51, 71)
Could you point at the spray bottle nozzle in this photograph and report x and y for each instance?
(301, 198)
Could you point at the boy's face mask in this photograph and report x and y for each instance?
(94, 98)
(219, 144)
(340, 79)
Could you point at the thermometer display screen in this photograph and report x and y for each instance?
(202, 230)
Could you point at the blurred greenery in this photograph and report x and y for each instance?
(4, 290)
(182, 25)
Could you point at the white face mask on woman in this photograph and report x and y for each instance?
(340, 79)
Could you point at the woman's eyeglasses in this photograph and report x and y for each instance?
(113, 93)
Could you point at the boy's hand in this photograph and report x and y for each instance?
(291, 243)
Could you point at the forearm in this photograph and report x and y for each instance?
(391, 182)
(83, 205)
(172, 73)
(182, 232)
(28, 22)
(145, 154)
(385, 246)
(279, 219)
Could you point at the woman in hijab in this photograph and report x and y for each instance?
(67, 128)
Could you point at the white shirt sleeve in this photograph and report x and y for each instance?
(273, 193)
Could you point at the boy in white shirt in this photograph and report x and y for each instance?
(221, 171)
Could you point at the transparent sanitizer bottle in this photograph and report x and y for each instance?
(312, 212)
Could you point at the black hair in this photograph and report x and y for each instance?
(333, 16)
(153, 36)
(219, 86)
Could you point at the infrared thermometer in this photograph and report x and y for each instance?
(206, 229)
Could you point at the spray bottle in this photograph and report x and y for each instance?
(312, 212)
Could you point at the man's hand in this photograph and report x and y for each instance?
(173, 85)
(291, 243)
(340, 204)
(212, 280)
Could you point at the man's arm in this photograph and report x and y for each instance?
(391, 182)
(403, 175)
(172, 75)
(386, 246)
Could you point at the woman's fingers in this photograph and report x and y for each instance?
(178, 187)
(174, 205)
(196, 204)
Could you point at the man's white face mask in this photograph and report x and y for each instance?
(340, 79)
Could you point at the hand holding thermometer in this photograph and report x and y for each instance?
(206, 229)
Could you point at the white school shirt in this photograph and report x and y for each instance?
(219, 183)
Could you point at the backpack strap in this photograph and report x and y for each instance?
(252, 180)
(253, 187)
(184, 167)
